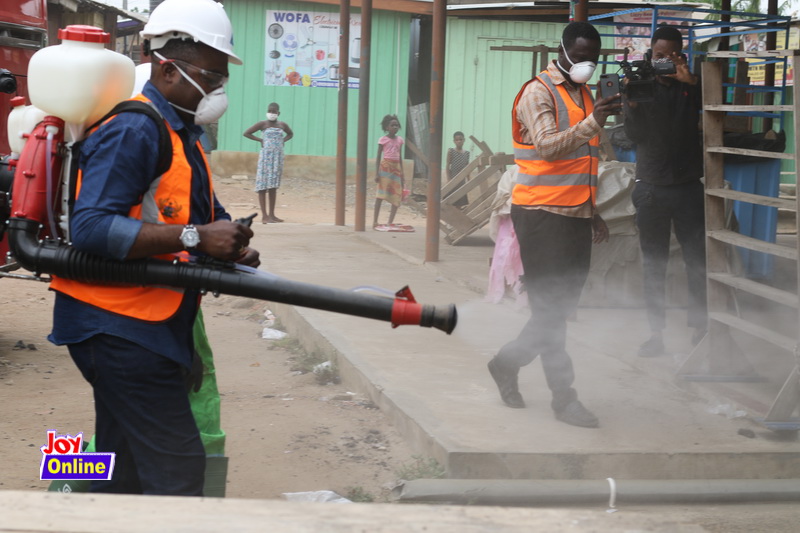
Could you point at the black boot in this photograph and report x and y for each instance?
(506, 380)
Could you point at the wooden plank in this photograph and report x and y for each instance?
(485, 150)
(552, 50)
(482, 176)
(760, 53)
(417, 152)
(459, 179)
(501, 159)
(716, 251)
(480, 203)
(455, 220)
(759, 289)
(480, 217)
(782, 341)
(736, 239)
(748, 108)
(729, 194)
(787, 400)
(744, 151)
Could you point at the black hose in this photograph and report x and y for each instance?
(67, 262)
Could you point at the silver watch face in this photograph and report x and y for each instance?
(190, 237)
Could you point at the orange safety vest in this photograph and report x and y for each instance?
(566, 182)
(167, 201)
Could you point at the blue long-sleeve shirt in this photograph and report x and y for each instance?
(118, 162)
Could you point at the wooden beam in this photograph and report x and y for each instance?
(737, 239)
(403, 6)
(745, 151)
(770, 201)
(521, 12)
(786, 298)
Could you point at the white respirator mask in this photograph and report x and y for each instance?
(578, 72)
(272, 116)
(212, 106)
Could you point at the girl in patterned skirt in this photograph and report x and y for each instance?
(389, 168)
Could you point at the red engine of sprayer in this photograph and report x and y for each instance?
(36, 192)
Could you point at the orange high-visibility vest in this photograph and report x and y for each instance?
(566, 182)
(168, 201)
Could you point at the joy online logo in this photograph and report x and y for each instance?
(63, 459)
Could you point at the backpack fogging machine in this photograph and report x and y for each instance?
(37, 200)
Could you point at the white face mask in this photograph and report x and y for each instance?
(272, 116)
(578, 72)
(212, 106)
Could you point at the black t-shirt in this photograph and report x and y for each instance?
(669, 149)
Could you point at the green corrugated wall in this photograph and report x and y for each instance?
(481, 84)
(311, 112)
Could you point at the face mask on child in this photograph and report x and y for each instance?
(272, 116)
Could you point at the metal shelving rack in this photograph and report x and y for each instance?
(751, 23)
(717, 349)
(718, 357)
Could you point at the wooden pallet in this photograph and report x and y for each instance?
(480, 189)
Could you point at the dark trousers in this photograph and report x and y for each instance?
(555, 251)
(658, 209)
(143, 416)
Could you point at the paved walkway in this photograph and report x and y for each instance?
(436, 388)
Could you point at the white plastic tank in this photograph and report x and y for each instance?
(79, 80)
(22, 119)
(142, 77)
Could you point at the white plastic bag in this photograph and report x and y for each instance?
(321, 496)
(272, 334)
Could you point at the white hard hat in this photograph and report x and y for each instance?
(200, 20)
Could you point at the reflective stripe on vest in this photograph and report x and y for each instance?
(167, 201)
(569, 181)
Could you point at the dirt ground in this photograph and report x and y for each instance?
(285, 431)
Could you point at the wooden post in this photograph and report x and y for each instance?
(363, 115)
(341, 139)
(436, 122)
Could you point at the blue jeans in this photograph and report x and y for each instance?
(143, 416)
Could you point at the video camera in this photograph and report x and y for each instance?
(641, 75)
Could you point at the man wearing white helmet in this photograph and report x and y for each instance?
(134, 344)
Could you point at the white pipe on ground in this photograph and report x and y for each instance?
(533, 493)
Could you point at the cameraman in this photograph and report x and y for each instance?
(668, 191)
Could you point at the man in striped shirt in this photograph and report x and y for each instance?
(555, 128)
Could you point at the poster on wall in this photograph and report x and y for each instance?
(757, 42)
(635, 37)
(302, 49)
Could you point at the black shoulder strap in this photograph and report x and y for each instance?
(164, 141)
(135, 106)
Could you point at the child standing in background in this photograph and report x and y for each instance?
(389, 168)
(274, 134)
(457, 160)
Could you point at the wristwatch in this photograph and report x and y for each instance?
(190, 237)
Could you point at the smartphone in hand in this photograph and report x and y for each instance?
(609, 85)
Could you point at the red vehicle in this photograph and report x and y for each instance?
(23, 31)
